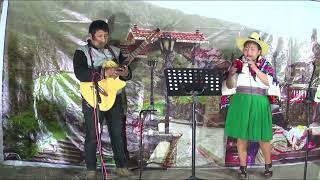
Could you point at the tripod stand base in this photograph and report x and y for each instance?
(145, 167)
(193, 178)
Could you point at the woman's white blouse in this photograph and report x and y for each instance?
(246, 79)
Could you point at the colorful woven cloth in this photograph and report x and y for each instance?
(264, 66)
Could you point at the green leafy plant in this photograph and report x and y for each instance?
(20, 134)
(49, 114)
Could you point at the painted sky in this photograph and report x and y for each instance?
(282, 18)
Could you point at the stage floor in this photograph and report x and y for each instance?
(32, 171)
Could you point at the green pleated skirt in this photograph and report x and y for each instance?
(249, 118)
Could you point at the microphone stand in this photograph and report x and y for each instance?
(308, 101)
(152, 63)
(141, 148)
(97, 109)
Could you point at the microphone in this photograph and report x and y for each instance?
(244, 59)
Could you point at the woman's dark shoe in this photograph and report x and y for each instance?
(242, 175)
(268, 172)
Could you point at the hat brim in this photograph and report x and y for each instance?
(264, 46)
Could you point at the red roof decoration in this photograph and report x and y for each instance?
(138, 35)
(187, 37)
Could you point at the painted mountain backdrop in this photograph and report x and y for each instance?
(42, 102)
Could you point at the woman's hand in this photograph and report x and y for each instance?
(233, 69)
(252, 65)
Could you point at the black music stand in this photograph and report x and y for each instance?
(193, 82)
